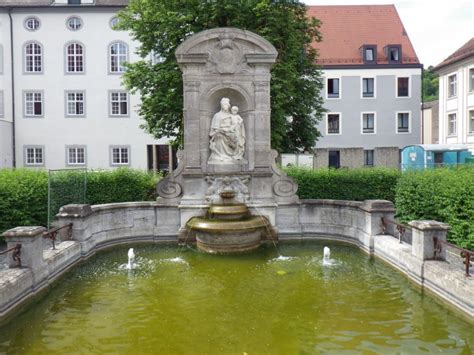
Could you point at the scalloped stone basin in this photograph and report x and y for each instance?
(180, 301)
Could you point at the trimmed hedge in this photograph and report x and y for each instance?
(342, 184)
(445, 195)
(24, 192)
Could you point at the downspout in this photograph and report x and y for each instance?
(422, 110)
(13, 88)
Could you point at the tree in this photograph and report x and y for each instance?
(161, 25)
(430, 85)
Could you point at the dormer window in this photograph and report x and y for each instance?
(394, 53)
(369, 54)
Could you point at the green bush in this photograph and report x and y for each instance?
(342, 184)
(24, 192)
(445, 195)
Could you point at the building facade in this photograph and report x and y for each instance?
(456, 97)
(62, 102)
(372, 88)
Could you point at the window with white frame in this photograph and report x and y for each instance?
(403, 85)
(452, 129)
(117, 57)
(368, 123)
(452, 85)
(471, 79)
(334, 123)
(74, 23)
(75, 103)
(155, 58)
(33, 104)
(33, 58)
(74, 58)
(471, 121)
(34, 155)
(1, 104)
(403, 122)
(32, 24)
(120, 155)
(368, 157)
(76, 155)
(333, 88)
(118, 103)
(368, 87)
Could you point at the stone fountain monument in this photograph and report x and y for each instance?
(226, 79)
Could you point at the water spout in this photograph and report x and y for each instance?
(326, 256)
(131, 259)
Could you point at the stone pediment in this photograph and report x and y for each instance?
(226, 51)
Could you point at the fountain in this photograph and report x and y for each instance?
(229, 227)
(131, 259)
(326, 256)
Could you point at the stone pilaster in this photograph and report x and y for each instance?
(31, 240)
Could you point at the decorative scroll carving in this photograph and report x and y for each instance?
(192, 86)
(169, 189)
(226, 57)
(238, 184)
(284, 186)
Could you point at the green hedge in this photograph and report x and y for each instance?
(342, 184)
(24, 192)
(445, 195)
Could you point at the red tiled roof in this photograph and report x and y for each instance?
(466, 51)
(345, 29)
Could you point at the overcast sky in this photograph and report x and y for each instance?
(436, 27)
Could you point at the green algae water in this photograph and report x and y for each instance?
(180, 301)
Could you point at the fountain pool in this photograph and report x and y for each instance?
(183, 301)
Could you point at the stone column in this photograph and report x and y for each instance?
(423, 244)
(31, 240)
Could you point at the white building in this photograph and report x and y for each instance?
(456, 97)
(372, 86)
(62, 103)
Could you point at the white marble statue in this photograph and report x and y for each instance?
(227, 136)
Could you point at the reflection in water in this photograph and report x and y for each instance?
(254, 303)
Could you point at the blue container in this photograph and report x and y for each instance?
(423, 156)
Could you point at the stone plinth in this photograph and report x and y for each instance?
(31, 240)
(423, 244)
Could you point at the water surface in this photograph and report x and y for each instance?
(182, 301)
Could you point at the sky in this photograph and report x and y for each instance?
(436, 28)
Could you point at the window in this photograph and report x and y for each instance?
(333, 123)
(368, 123)
(452, 123)
(368, 87)
(34, 155)
(471, 79)
(394, 54)
(403, 122)
(75, 58)
(1, 104)
(118, 57)
(333, 88)
(155, 58)
(120, 156)
(369, 54)
(74, 2)
(74, 23)
(33, 104)
(76, 155)
(368, 157)
(75, 104)
(114, 22)
(452, 85)
(403, 87)
(33, 58)
(32, 24)
(118, 104)
(334, 160)
(471, 121)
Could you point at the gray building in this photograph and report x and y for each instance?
(372, 87)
